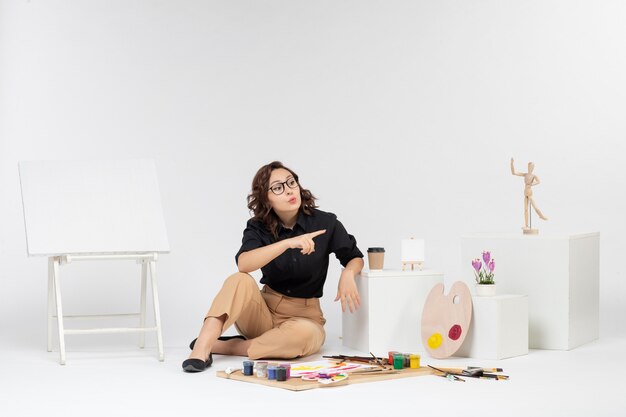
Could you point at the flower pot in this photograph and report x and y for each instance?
(485, 290)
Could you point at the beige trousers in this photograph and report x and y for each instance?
(278, 326)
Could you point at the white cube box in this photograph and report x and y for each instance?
(499, 328)
(560, 275)
(391, 311)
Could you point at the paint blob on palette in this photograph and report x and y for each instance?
(446, 319)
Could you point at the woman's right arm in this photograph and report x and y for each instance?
(257, 258)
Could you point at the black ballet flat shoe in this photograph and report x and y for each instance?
(197, 365)
(222, 338)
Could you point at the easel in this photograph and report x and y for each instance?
(412, 253)
(78, 211)
(419, 264)
(148, 267)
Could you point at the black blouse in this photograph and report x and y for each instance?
(292, 273)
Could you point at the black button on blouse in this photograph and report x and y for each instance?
(292, 273)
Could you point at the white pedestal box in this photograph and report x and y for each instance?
(391, 311)
(560, 275)
(499, 328)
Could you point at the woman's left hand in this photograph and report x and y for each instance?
(347, 292)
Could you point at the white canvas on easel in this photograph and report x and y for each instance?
(92, 207)
(94, 210)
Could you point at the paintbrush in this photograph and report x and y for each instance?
(447, 374)
(360, 359)
(496, 377)
(378, 371)
(486, 369)
(378, 361)
(474, 373)
(485, 375)
(373, 360)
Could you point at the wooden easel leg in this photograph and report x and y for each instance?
(59, 308)
(50, 301)
(142, 303)
(157, 311)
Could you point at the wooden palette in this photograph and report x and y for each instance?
(446, 319)
(297, 384)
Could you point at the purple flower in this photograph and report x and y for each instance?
(483, 270)
(477, 264)
(486, 256)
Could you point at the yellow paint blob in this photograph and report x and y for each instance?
(434, 341)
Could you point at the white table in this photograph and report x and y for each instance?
(560, 274)
(391, 309)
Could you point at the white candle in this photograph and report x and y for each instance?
(412, 250)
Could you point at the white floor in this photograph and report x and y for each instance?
(122, 381)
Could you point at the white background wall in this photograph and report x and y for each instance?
(401, 116)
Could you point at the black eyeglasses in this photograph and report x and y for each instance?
(279, 187)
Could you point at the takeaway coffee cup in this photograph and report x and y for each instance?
(376, 258)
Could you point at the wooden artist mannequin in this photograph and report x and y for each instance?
(290, 240)
(530, 180)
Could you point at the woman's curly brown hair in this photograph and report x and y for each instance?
(259, 204)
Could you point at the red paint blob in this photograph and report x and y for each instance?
(455, 332)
